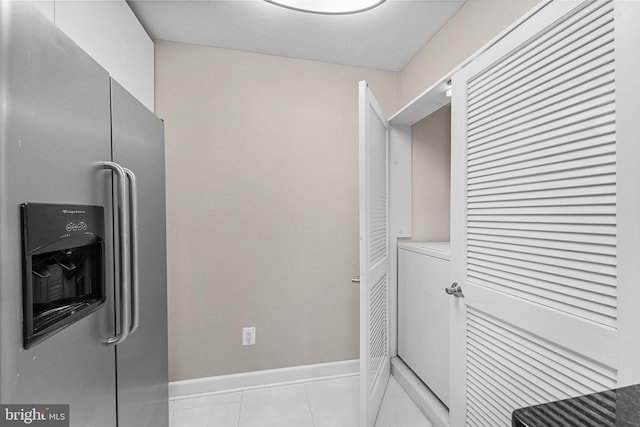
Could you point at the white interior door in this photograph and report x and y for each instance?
(538, 177)
(374, 256)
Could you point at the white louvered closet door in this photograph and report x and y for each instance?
(535, 216)
(374, 256)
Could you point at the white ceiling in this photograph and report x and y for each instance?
(386, 37)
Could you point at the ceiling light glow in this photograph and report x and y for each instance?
(328, 7)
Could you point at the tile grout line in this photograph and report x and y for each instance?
(240, 407)
(306, 393)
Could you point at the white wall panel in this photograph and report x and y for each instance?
(109, 32)
(137, 60)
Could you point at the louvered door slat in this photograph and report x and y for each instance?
(567, 189)
(540, 262)
(530, 53)
(570, 84)
(583, 229)
(539, 112)
(572, 151)
(509, 381)
(575, 131)
(480, 418)
(377, 193)
(544, 152)
(548, 209)
(600, 289)
(492, 412)
(576, 178)
(576, 300)
(484, 365)
(593, 254)
(546, 78)
(541, 245)
(576, 115)
(507, 357)
(608, 199)
(487, 391)
(378, 330)
(554, 238)
(584, 220)
(582, 271)
(605, 190)
(544, 167)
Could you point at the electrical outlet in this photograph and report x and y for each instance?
(249, 336)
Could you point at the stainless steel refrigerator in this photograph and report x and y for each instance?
(83, 316)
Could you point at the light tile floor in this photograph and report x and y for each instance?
(324, 403)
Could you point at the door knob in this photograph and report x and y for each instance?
(455, 289)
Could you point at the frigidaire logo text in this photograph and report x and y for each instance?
(65, 211)
(35, 415)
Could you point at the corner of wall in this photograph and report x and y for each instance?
(470, 28)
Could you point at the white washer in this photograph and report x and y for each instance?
(423, 312)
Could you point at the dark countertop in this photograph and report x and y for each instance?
(619, 407)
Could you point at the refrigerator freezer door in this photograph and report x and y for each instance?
(54, 129)
(138, 145)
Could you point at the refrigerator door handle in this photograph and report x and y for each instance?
(125, 242)
(135, 283)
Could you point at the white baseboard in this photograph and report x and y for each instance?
(257, 379)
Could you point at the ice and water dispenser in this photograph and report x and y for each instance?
(63, 266)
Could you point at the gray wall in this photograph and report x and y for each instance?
(262, 200)
(262, 194)
(431, 176)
